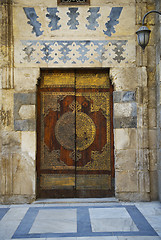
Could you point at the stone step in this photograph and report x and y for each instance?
(75, 200)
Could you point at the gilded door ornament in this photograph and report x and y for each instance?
(75, 106)
(52, 102)
(75, 130)
(99, 101)
(99, 160)
(75, 155)
(52, 158)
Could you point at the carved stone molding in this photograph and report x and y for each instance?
(6, 38)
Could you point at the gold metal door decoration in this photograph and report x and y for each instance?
(75, 148)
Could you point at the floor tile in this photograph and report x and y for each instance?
(55, 221)
(62, 238)
(139, 238)
(113, 225)
(108, 213)
(111, 220)
(10, 222)
(98, 238)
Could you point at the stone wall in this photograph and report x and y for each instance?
(158, 80)
(39, 34)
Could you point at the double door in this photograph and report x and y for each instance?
(74, 134)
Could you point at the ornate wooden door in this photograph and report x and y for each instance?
(74, 134)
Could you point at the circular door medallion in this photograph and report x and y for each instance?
(66, 132)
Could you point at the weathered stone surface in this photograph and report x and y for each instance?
(125, 160)
(152, 139)
(142, 159)
(23, 174)
(143, 138)
(126, 181)
(124, 79)
(133, 196)
(25, 125)
(125, 138)
(154, 185)
(28, 144)
(27, 112)
(16, 199)
(11, 142)
(121, 96)
(152, 118)
(25, 79)
(125, 110)
(125, 122)
(22, 99)
(153, 159)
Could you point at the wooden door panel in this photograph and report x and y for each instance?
(93, 169)
(74, 134)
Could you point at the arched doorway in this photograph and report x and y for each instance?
(74, 134)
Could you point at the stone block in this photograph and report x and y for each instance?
(152, 139)
(151, 19)
(144, 181)
(152, 118)
(151, 76)
(125, 110)
(6, 111)
(28, 144)
(154, 185)
(125, 160)
(25, 79)
(151, 56)
(124, 96)
(152, 39)
(22, 99)
(11, 142)
(142, 77)
(153, 159)
(2, 175)
(124, 79)
(142, 159)
(25, 125)
(140, 11)
(125, 139)
(23, 174)
(126, 181)
(159, 159)
(17, 199)
(125, 122)
(27, 112)
(142, 138)
(133, 196)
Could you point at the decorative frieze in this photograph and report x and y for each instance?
(72, 52)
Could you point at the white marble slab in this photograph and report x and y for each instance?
(111, 220)
(96, 213)
(55, 221)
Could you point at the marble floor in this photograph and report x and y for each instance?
(81, 220)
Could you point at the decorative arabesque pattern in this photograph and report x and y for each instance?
(73, 52)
